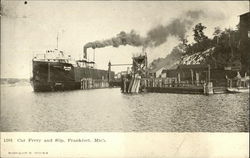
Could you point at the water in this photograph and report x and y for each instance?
(108, 110)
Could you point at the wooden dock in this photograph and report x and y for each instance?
(89, 83)
(181, 90)
(171, 85)
(165, 85)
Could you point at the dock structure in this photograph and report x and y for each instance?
(171, 85)
(90, 83)
(185, 79)
(190, 79)
(131, 83)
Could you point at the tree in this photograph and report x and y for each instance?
(199, 35)
(217, 34)
(217, 31)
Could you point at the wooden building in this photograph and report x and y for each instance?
(189, 74)
(245, 40)
(199, 74)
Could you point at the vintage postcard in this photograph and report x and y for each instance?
(125, 78)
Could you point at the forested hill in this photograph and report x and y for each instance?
(223, 49)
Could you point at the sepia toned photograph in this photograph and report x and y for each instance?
(125, 66)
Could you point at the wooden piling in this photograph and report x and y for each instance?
(208, 88)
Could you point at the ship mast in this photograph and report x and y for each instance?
(94, 55)
(57, 41)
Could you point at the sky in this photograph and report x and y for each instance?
(28, 29)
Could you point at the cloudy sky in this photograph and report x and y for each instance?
(31, 28)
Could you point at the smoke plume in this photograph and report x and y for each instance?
(123, 38)
(155, 36)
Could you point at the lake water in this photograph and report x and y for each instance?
(108, 110)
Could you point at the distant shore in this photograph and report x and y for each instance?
(15, 81)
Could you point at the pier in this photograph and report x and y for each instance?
(164, 85)
(90, 83)
(187, 79)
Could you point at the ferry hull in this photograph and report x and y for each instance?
(55, 76)
(55, 86)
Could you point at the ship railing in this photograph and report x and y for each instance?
(52, 55)
(45, 57)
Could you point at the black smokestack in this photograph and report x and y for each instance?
(155, 37)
